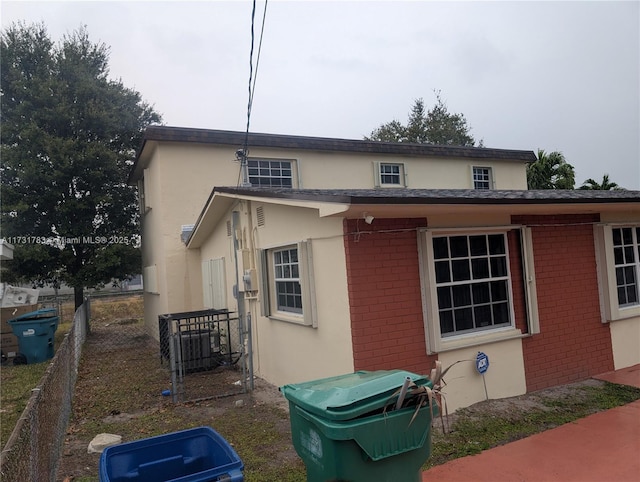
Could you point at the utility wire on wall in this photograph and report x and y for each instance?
(243, 177)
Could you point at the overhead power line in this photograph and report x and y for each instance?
(252, 87)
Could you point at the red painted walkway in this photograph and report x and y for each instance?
(601, 447)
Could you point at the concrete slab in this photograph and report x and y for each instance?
(603, 446)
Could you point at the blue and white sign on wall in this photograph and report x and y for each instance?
(482, 362)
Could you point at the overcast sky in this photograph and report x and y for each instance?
(526, 75)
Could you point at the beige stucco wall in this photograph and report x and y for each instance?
(181, 176)
(504, 378)
(356, 171)
(625, 339)
(286, 352)
(180, 180)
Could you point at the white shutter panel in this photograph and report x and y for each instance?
(309, 306)
(376, 174)
(207, 288)
(529, 275)
(265, 295)
(219, 284)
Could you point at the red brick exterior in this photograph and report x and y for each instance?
(385, 300)
(383, 278)
(573, 344)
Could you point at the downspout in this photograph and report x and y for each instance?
(235, 225)
(249, 320)
(243, 315)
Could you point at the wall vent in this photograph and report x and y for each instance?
(228, 228)
(185, 232)
(260, 215)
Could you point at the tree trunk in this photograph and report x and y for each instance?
(78, 295)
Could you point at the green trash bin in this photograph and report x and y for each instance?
(35, 332)
(342, 432)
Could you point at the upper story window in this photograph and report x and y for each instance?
(626, 256)
(482, 178)
(389, 174)
(270, 173)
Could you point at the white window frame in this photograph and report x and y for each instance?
(378, 175)
(293, 169)
(144, 206)
(607, 283)
(436, 342)
(268, 299)
(487, 177)
(286, 279)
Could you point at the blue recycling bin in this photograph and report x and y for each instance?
(194, 455)
(35, 332)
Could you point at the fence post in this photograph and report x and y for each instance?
(172, 364)
(87, 314)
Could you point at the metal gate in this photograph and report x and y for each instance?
(205, 352)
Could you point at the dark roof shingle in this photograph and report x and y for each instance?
(438, 196)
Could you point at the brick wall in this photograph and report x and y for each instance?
(573, 344)
(383, 279)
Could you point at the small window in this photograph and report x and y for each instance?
(389, 174)
(270, 173)
(482, 178)
(288, 292)
(287, 284)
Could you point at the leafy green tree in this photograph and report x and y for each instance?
(550, 171)
(68, 136)
(605, 185)
(437, 126)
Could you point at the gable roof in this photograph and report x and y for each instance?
(277, 141)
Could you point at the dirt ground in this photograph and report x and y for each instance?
(267, 404)
(518, 406)
(119, 390)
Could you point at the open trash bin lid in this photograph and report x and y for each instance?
(346, 397)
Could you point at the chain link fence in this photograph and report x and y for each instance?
(33, 449)
(204, 353)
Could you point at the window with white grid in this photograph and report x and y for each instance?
(626, 255)
(288, 291)
(482, 178)
(389, 174)
(472, 282)
(287, 284)
(270, 173)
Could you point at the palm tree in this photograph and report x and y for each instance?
(550, 171)
(605, 185)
